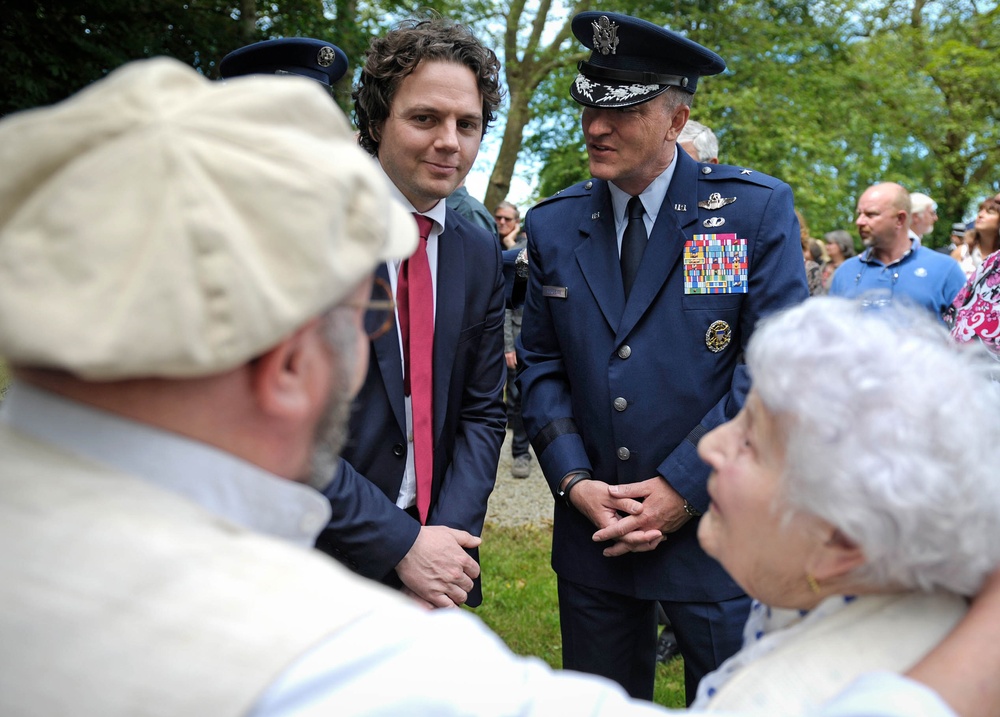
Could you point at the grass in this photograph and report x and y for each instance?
(520, 603)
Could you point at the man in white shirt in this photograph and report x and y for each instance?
(186, 302)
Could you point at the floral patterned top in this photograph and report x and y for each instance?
(976, 310)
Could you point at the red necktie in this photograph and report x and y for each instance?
(415, 300)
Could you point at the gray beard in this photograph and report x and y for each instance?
(331, 433)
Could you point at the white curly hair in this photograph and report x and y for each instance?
(893, 436)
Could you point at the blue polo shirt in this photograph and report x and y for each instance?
(921, 277)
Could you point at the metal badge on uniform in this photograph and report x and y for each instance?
(713, 222)
(718, 336)
(325, 56)
(716, 201)
(715, 264)
(605, 35)
(555, 292)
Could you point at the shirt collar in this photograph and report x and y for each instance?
(651, 197)
(868, 255)
(223, 484)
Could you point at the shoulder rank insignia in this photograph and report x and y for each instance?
(747, 171)
(716, 201)
(605, 35)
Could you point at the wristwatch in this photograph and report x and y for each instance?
(577, 477)
(691, 510)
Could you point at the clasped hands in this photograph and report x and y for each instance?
(636, 516)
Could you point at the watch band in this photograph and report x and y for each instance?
(577, 477)
(691, 510)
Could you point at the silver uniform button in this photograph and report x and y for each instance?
(624, 352)
(706, 170)
(620, 404)
(623, 453)
(588, 185)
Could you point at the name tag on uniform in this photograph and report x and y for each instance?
(555, 292)
(715, 264)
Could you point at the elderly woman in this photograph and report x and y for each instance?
(844, 507)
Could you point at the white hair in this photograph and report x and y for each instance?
(704, 140)
(919, 202)
(898, 444)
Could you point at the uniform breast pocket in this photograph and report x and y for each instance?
(719, 303)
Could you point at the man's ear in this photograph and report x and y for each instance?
(834, 558)
(283, 378)
(677, 122)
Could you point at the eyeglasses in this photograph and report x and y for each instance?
(504, 219)
(380, 310)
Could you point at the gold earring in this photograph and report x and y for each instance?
(813, 583)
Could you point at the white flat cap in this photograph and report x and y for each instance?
(161, 224)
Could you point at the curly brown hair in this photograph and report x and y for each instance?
(390, 58)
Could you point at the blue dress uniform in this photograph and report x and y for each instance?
(624, 389)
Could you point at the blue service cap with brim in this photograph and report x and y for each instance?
(316, 59)
(633, 61)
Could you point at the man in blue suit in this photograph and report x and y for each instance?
(629, 360)
(426, 95)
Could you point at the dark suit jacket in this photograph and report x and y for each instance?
(625, 390)
(367, 531)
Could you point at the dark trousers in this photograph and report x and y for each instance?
(613, 635)
(519, 441)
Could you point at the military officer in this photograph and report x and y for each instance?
(645, 284)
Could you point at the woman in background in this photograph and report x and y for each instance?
(839, 246)
(982, 240)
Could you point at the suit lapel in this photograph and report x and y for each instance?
(390, 363)
(451, 279)
(666, 242)
(597, 256)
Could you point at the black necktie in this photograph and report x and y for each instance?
(633, 243)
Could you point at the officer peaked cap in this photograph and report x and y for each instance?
(316, 59)
(633, 60)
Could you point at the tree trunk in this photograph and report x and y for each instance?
(510, 148)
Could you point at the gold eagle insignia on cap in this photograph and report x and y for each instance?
(716, 201)
(605, 35)
(718, 336)
(325, 56)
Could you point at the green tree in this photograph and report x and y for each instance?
(48, 51)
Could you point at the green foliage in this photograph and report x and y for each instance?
(4, 379)
(50, 50)
(831, 97)
(520, 602)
